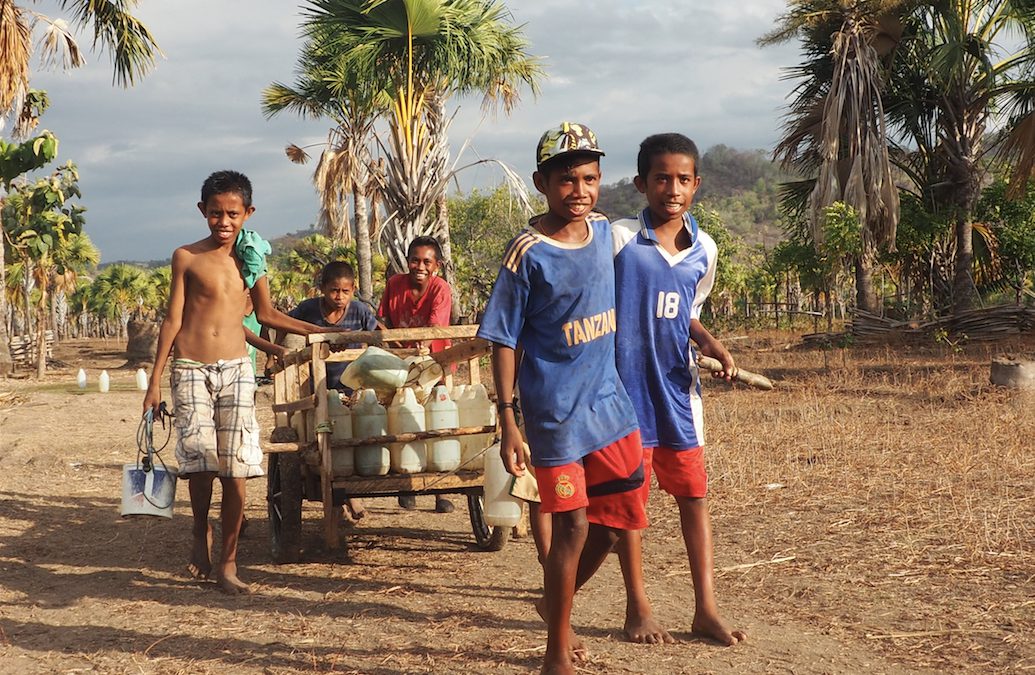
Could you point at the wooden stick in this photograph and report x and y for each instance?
(733, 568)
(377, 337)
(745, 376)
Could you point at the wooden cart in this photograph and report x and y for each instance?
(300, 453)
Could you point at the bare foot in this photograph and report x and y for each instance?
(565, 667)
(646, 630)
(356, 509)
(228, 581)
(578, 650)
(200, 565)
(712, 627)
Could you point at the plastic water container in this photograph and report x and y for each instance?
(476, 410)
(499, 507)
(441, 411)
(458, 393)
(80, 378)
(148, 493)
(141, 379)
(405, 416)
(342, 459)
(104, 382)
(370, 419)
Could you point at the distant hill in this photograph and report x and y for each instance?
(742, 185)
(280, 244)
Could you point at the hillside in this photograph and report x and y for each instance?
(742, 185)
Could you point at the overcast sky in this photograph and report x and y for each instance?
(627, 68)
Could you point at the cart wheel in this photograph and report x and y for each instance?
(488, 538)
(284, 499)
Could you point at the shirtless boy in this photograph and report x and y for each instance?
(212, 379)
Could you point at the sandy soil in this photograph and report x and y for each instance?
(887, 565)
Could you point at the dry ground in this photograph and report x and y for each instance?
(873, 515)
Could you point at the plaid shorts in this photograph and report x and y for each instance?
(216, 429)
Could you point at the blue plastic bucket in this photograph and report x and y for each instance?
(147, 493)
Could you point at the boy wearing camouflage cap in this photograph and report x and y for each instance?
(555, 296)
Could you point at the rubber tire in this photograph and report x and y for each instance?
(284, 502)
(489, 539)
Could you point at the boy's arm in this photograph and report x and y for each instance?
(269, 315)
(264, 345)
(168, 332)
(504, 368)
(710, 346)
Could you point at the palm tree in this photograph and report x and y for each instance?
(324, 90)
(423, 51)
(121, 292)
(836, 128)
(967, 70)
(72, 258)
(133, 49)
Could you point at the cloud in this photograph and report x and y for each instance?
(625, 67)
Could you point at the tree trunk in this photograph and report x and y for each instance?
(41, 334)
(865, 296)
(964, 292)
(448, 268)
(142, 343)
(364, 259)
(6, 363)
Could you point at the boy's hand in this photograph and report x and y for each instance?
(512, 450)
(717, 351)
(153, 399)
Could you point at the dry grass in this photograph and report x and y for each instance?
(900, 482)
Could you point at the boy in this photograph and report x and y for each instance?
(335, 308)
(416, 299)
(555, 296)
(212, 381)
(665, 268)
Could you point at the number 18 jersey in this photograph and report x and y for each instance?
(657, 294)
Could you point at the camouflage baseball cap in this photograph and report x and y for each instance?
(564, 138)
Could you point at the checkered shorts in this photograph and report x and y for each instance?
(216, 429)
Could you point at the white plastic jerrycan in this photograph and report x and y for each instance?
(342, 459)
(443, 453)
(476, 410)
(499, 507)
(405, 416)
(80, 379)
(458, 393)
(369, 419)
(104, 382)
(141, 379)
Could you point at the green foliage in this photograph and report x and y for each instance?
(38, 217)
(121, 291)
(481, 225)
(20, 158)
(1012, 221)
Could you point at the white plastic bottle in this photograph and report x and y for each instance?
(141, 379)
(370, 419)
(342, 459)
(80, 378)
(405, 416)
(104, 382)
(499, 507)
(443, 453)
(476, 410)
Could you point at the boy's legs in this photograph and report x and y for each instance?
(640, 625)
(232, 513)
(697, 534)
(682, 474)
(560, 569)
(200, 487)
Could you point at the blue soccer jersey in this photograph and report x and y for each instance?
(557, 300)
(658, 295)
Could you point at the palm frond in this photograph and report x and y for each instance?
(16, 51)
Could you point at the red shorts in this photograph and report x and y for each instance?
(607, 483)
(680, 472)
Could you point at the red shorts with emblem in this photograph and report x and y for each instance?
(607, 483)
(680, 473)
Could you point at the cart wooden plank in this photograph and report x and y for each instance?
(359, 486)
(377, 337)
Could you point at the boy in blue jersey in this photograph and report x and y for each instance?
(554, 297)
(665, 268)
